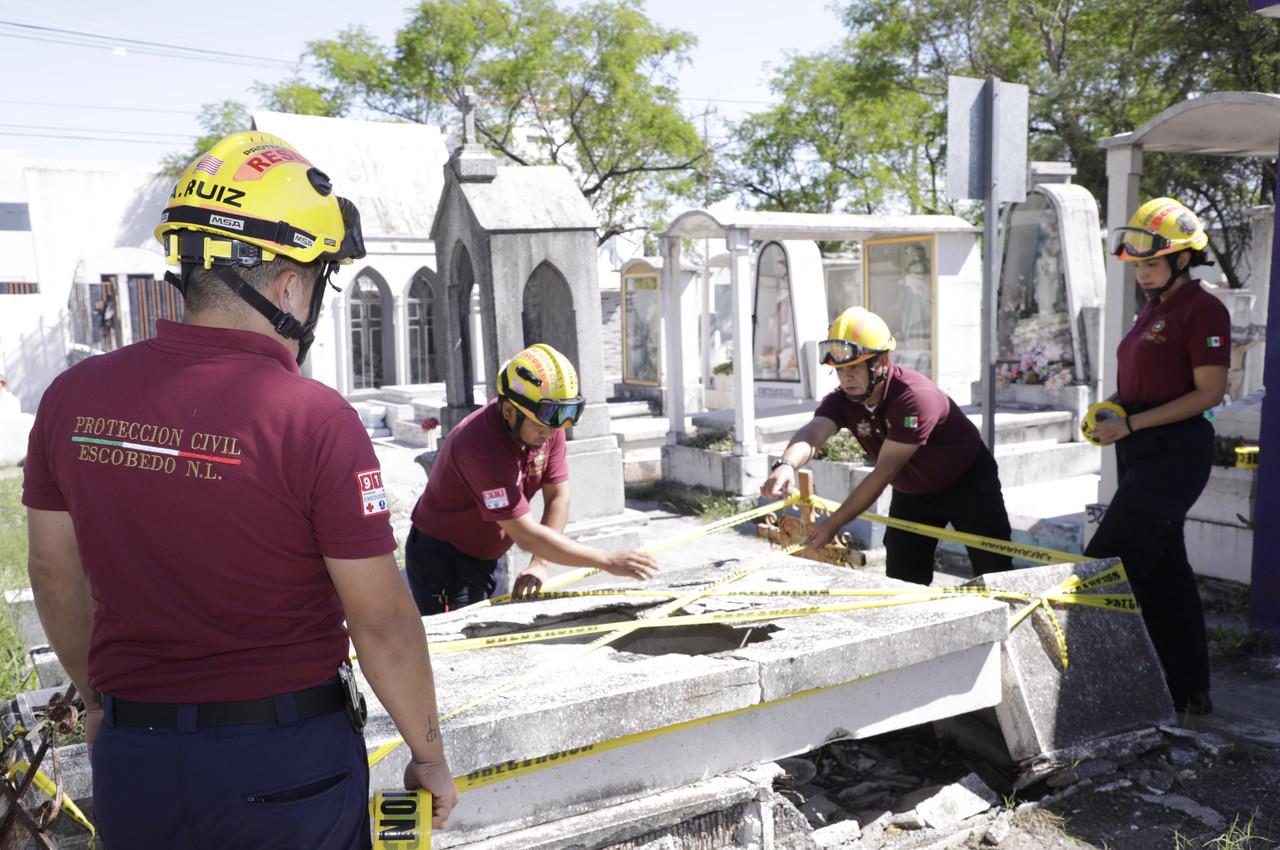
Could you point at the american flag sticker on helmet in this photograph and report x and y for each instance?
(209, 165)
(373, 496)
(1213, 341)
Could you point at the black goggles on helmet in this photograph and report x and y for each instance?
(841, 352)
(1137, 242)
(552, 412)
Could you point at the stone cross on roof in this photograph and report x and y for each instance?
(468, 105)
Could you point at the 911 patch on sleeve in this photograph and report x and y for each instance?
(495, 499)
(373, 496)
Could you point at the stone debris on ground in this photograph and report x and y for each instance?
(914, 789)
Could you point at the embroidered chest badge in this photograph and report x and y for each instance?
(539, 461)
(864, 429)
(1154, 333)
(911, 422)
(373, 496)
(495, 499)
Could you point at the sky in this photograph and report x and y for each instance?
(126, 95)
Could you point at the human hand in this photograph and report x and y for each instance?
(529, 582)
(1110, 430)
(821, 534)
(780, 482)
(630, 563)
(436, 778)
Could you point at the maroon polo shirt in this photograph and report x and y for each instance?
(207, 481)
(913, 410)
(482, 477)
(1169, 339)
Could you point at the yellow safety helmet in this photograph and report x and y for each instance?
(1160, 226)
(250, 199)
(857, 334)
(257, 190)
(542, 384)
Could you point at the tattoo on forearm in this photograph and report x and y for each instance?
(432, 732)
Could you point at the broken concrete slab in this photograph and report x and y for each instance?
(945, 806)
(1112, 683)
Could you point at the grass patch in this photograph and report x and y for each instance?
(1227, 642)
(15, 674)
(707, 505)
(842, 448)
(712, 441)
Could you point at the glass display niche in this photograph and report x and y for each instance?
(641, 329)
(774, 348)
(901, 288)
(1033, 325)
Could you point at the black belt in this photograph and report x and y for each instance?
(309, 703)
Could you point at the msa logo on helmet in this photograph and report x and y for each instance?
(215, 192)
(303, 240)
(266, 159)
(224, 221)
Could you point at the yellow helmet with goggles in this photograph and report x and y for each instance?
(1160, 226)
(856, 335)
(542, 384)
(250, 199)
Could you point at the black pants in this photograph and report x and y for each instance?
(973, 504)
(442, 578)
(1162, 472)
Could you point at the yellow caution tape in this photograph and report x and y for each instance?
(619, 630)
(50, 789)
(1099, 412)
(401, 819)
(987, 544)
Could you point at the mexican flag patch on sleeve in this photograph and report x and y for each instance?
(911, 422)
(1213, 341)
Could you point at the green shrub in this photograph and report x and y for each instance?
(15, 673)
(712, 441)
(725, 368)
(843, 448)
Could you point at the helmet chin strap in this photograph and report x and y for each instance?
(1174, 274)
(284, 323)
(514, 430)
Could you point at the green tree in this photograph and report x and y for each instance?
(217, 120)
(591, 88)
(863, 125)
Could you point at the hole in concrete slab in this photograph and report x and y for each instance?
(693, 640)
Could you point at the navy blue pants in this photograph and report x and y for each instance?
(1162, 472)
(974, 504)
(442, 578)
(289, 786)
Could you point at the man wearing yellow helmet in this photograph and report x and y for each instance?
(921, 443)
(1170, 368)
(203, 520)
(476, 504)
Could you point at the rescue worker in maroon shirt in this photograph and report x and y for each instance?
(918, 438)
(1170, 368)
(202, 520)
(476, 504)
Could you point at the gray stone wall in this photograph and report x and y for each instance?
(611, 333)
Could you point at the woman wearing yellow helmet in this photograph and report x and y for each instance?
(476, 505)
(921, 443)
(1170, 368)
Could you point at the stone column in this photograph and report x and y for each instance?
(741, 279)
(1124, 168)
(401, 307)
(672, 338)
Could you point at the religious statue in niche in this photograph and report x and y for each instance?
(776, 357)
(642, 324)
(900, 289)
(1033, 323)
